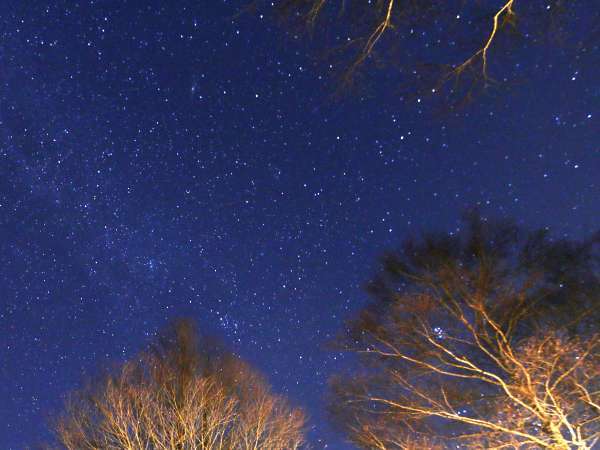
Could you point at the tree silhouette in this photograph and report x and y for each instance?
(180, 394)
(487, 339)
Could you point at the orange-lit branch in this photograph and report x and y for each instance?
(315, 10)
(507, 10)
(375, 36)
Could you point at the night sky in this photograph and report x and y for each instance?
(168, 159)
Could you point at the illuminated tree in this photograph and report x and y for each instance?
(488, 339)
(431, 42)
(179, 395)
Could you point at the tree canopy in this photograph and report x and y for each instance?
(483, 339)
(183, 393)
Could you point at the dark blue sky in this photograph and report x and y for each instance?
(163, 159)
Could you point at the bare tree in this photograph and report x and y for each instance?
(486, 340)
(180, 395)
(459, 37)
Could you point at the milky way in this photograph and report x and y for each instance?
(167, 159)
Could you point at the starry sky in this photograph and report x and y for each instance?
(168, 159)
